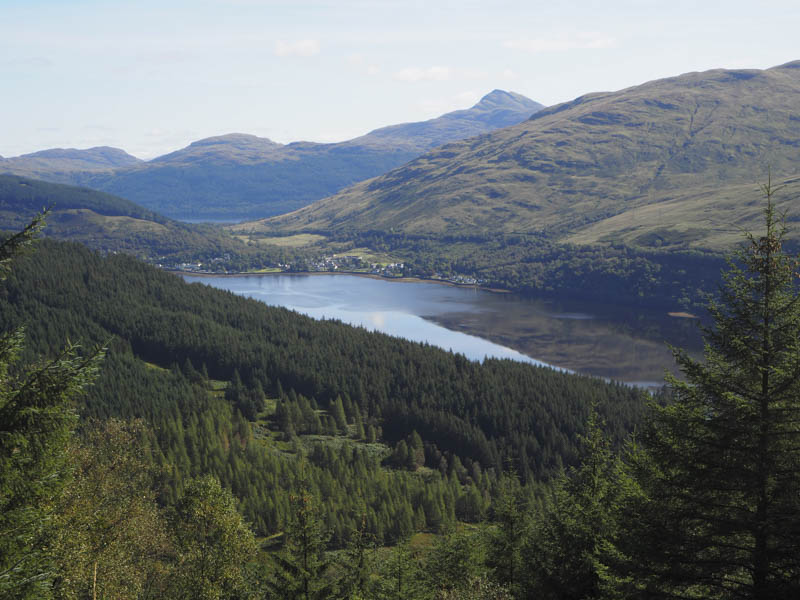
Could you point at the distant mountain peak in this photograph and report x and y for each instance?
(113, 157)
(235, 139)
(231, 148)
(794, 64)
(632, 166)
(58, 161)
(502, 99)
(239, 175)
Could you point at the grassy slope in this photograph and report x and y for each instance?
(634, 165)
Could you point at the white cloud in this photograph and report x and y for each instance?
(297, 48)
(509, 74)
(414, 74)
(584, 40)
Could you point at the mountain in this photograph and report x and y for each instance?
(240, 176)
(670, 163)
(68, 165)
(495, 110)
(108, 223)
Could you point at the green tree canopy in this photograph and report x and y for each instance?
(719, 467)
(36, 420)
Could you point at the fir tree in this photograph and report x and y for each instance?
(564, 558)
(719, 511)
(512, 526)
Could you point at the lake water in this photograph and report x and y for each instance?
(626, 345)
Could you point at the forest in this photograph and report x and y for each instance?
(538, 264)
(168, 440)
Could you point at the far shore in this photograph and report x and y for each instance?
(357, 273)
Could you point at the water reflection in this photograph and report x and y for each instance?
(605, 341)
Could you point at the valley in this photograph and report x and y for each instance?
(512, 351)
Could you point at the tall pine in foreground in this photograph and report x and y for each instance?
(719, 468)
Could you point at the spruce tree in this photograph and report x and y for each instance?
(563, 558)
(299, 569)
(718, 515)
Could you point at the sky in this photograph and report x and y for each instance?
(150, 76)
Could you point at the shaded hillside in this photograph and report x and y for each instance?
(108, 223)
(240, 176)
(632, 165)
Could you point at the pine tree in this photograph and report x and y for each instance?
(358, 563)
(719, 468)
(506, 540)
(401, 576)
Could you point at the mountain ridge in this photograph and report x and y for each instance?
(572, 166)
(240, 175)
(58, 162)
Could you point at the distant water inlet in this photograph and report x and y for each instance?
(603, 341)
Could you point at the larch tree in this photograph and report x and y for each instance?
(214, 544)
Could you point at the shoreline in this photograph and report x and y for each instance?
(641, 378)
(499, 291)
(356, 273)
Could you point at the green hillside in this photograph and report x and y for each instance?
(275, 375)
(670, 163)
(109, 223)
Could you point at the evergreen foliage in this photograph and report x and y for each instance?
(719, 467)
(300, 567)
(36, 419)
(214, 544)
(472, 419)
(565, 552)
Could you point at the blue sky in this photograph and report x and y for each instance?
(152, 76)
